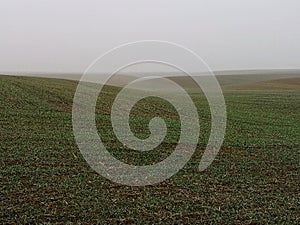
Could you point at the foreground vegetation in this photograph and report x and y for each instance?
(44, 178)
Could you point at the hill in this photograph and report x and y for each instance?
(45, 179)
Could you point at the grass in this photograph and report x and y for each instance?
(44, 178)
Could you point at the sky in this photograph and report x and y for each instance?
(65, 36)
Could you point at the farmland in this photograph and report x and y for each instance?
(254, 179)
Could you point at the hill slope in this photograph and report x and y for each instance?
(44, 178)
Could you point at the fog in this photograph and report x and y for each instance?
(59, 36)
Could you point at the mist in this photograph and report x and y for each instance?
(63, 36)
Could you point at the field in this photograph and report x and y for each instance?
(255, 178)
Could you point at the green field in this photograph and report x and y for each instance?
(255, 178)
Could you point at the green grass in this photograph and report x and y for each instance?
(44, 178)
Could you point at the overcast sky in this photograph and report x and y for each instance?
(66, 36)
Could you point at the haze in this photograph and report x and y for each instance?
(59, 36)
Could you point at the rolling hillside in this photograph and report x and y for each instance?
(44, 178)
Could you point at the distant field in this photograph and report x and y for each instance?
(255, 179)
(277, 84)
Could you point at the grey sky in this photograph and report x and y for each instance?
(66, 36)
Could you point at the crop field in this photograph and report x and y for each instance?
(255, 178)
